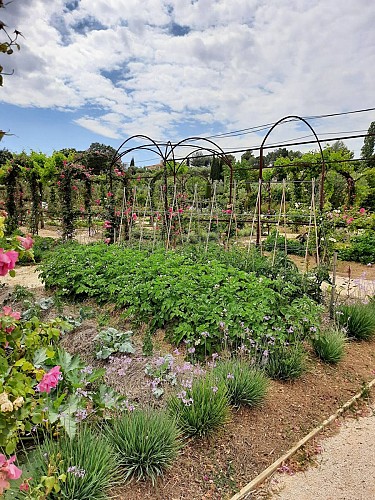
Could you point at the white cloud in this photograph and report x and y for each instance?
(239, 64)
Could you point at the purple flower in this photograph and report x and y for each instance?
(313, 329)
(214, 389)
(80, 415)
(205, 334)
(191, 350)
(266, 318)
(230, 376)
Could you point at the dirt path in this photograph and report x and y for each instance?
(26, 276)
(346, 467)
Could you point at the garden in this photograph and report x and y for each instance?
(189, 325)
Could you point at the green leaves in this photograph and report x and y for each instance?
(111, 341)
(186, 292)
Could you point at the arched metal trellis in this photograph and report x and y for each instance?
(261, 165)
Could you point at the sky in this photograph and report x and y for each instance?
(105, 70)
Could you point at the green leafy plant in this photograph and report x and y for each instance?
(161, 371)
(188, 293)
(329, 345)
(147, 442)
(201, 409)
(286, 362)
(358, 319)
(111, 341)
(245, 385)
(360, 249)
(82, 467)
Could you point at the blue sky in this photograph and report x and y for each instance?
(105, 70)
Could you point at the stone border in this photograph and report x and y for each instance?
(278, 463)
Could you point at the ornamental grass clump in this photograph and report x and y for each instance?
(82, 467)
(147, 442)
(287, 362)
(358, 319)
(329, 345)
(245, 385)
(201, 409)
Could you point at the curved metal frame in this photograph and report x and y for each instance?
(323, 172)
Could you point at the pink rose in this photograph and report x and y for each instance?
(27, 242)
(362, 211)
(8, 312)
(49, 380)
(8, 471)
(7, 261)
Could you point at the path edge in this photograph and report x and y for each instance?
(260, 478)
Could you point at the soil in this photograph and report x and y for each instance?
(218, 467)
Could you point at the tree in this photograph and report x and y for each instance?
(368, 148)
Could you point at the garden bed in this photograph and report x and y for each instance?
(219, 466)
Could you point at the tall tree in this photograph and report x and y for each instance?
(368, 148)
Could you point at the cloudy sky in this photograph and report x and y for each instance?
(101, 71)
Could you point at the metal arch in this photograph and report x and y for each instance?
(218, 151)
(117, 155)
(321, 195)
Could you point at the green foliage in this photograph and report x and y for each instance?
(21, 373)
(329, 345)
(161, 371)
(293, 246)
(246, 385)
(201, 409)
(147, 442)
(111, 341)
(358, 319)
(361, 249)
(40, 247)
(188, 292)
(82, 467)
(286, 362)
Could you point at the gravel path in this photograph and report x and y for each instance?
(346, 469)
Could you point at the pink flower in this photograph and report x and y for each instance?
(27, 242)
(350, 220)
(49, 380)
(74, 188)
(107, 241)
(109, 194)
(134, 217)
(362, 211)
(24, 487)
(8, 471)
(8, 312)
(107, 224)
(7, 261)
(97, 202)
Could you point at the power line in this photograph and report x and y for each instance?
(259, 128)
